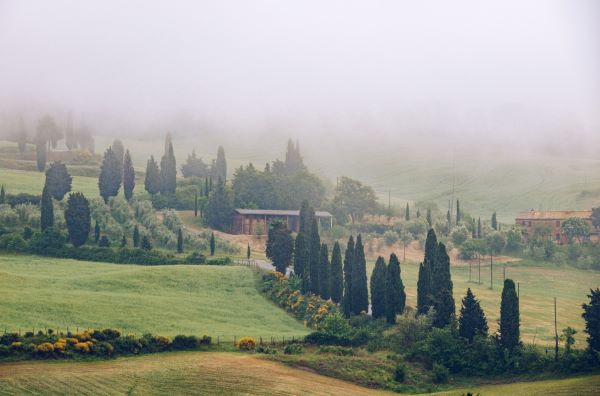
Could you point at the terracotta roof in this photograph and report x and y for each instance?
(553, 215)
(276, 212)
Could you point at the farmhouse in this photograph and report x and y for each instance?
(253, 221)
(552, 220)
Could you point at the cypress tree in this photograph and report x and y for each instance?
(119, 150)
(128, 176)
(458, 214)
(123, 241)
(304, 218)
(58, 180)
(77, 217)
(206, 189)
(472, 320)
(2, 195)
(212, 243)
(248, 252)
(378, 289)
(494, 222)
(47, 210)
(96, 232)
(300, 255)
(337, 278)
(152, 179)
(109, 181)
(221, 164)
(145, 243)
(179, 241)
(591, 315)
(196, 203)
(407, 212)
(136, 236)
(168, 171)
(360, 292)
(395, 294)
(441, 287)
(348, 264)
(429, 218)
(509, 316)
(325, 274)
(314, 256)
(479, 227)
(418, 213)
(448, 218)
(423, 292)
(41, 152)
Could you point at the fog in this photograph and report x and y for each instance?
(511, 72)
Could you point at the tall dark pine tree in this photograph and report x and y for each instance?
(348, 264)
(221, 164)
(591, 315)
(168, 172)
(196, 203)
(441, 286)
(395, 294)
(248, 254)
(97, 232)
(2, 195)
(314, 256)
(77, 217)
(119, 150)
(472, 320)
(128, 176)
(58, 180)
(47, 209)
(325, 274)
(449, 218)
(136, 236)
(336, 284)
(280, 246)
(458, 214)
(360, 292)
(509, 316)
(407, 212)
(378, 289)
(479, 235)
(179, 241)
(429, 218)
(424, 288)
(300, 254)
(152, 180)
(494, 222)
(212, 244)
(110, 175)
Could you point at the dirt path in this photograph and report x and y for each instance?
(171, 373)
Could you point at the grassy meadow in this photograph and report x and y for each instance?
(220, 301)
(17, 181)
(538, 286)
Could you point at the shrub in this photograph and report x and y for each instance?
(219, 261)
(12, 242)
(266, 350)
(185, 342)
(84, 347)
(336, 350)
(293, 349)
(439, 374)
(390, 237)
(50, 241)
(246, 343)
(195, 258)
(44, 349)
(400, 373)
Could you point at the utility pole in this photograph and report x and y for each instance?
(491, 271)
(504, 273)
(555, 333)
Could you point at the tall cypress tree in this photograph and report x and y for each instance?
(179, 241)
(314, 256)
(196, 203)
(41, 151)
(325, 274)
(109, 181)
(509, 316)
(97, 232)
(348, 264)
(424, 287)
(395, 294)
(77, 217)
(300, 255)
(360, 291)
(407, 212)
(458, 214)
(472, 320)
(128, 176)
(248, 252)
(47, 210)
(136, 236)
(58, 180)
(168, 171)
(337, 278)
(212, 244)
(479, 227)
(378, 289)
(494, 222)
(429, 218)
(152, 179)
(2, 195)
(441, 287)
(591, 315)
(221, 164)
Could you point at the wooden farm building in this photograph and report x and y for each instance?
(246, 221)
(553, 221)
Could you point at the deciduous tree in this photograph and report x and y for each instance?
(58, 180)
(280, 246)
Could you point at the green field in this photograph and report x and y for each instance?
(538, 286)
(43, 293)
(16, 181)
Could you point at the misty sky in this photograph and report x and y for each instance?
(473, 67)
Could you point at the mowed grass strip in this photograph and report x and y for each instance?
(223, 301)
(205, 373)
(17, 181)
(538, 286)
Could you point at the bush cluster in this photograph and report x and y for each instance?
(246, 344)
(99, 343)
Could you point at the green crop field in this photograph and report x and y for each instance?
(223, 301)
(16, 181)
(538, 286)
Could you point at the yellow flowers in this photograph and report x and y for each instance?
(246, 343)
(84, 347)
(60, 345)
(45, 347)
(16, 345)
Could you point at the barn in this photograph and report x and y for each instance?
(255, 221)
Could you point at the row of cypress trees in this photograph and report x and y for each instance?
(116, 168)
(164, 179)
(388, 297)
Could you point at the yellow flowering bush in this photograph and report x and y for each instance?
(246, 343)
(84, 347)
(60, 345)
(17, 345)
(45, 348)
